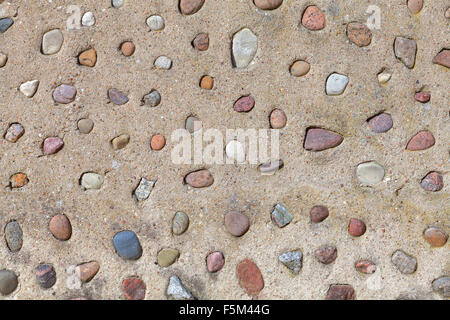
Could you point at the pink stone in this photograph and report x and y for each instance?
(443, 58)
(321, 139)
(215, 261)
(421, 141)
(64, 94)
(244, 104)
(53, 145)
(422, 96)
(313, 19)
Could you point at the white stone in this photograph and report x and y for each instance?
(163, 62)
(245, 45)
(370, 173)
(91, 180)
(156, 23)
(52, 42)
(88, 19)
(177, 291)
(3, 59)
(235, 151)
(144, 189)
(29, 88)
(336, 84)
(384, 77)
(117, 3)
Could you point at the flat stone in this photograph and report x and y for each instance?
(64, 94)
(52, 42)
(313, 19)
(277, 119)
(193, 124)
(180, 223)
(5, 24)
(250, 277)
(134, 288)
(236, 223)
(88, 19)
(167, 257)
(8, 282)
(143, 190)
(271, 167)
(52, 145)
(156, 23)
(18, 180)
(318, 139)
(13, 236)
(88, 58)
(85, 125)
(117, 3)
(14, 132)
(359, 34)
(245, 45)
(380, 123)
(443, 58)
(326, 255)
(29, 88)
(188, 7)
(177, 291)
(441, 285)
(215, 261)
(3, 59)
(405, 50)
(60, 227)
(421, 141)
(415, 6)
(201, 42)
(199, 179)
(370, 173)
(365, 266)
(435, 236)
(87, 271)
(234, 151)
(163, 62)
(340, 292)
(422, 97)
(433, 181)
(267, 4)
(281, 216)
(336, 84)
(152, 99)
(127, 245)
(318, 214)
(117, 97)
(293, 260)
(405, 263)
(45, 276)
(120, 142)
(299, 68)
(244, 104)
(356, 227)
(91, 181)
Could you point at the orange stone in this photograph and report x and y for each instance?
(127, 48)
(250, 277)
(60, 227)
(157, 142)
(88, 58)
(207, 82)
(19, 180)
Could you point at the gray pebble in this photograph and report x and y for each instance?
(370, 173)
(280, 216)
(8, 282)
(117, 97)
(144, 189)
(405, 263)
(45, 276)
(405, 50)
(153, 99)
(177, 291)
(85, 125)
(117, 3)
(193, 124)
(180, 223)
(52, 42)
(13, 236)
(163, 62)
(156, 23)
(292, 260)
(441, 285)
(245, 45)
(88, 19)
(5, 24)
(64, 94)
(336, 84)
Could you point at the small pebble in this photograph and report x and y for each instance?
(193, 124)
(215, 261)
(60, 227)
(3, 59)
(88, 19)
(14, 132)
(156, 23)
(18, 180)
(442, 286)
(88, 58)
(236, 223)
(167, 257)
(250, 277)
(117, 97)
(405, 263)
(384, 77)
(163, 62)
(91, 181)
(365, 266)
(45, 276)
(85, 125)
(64, 94)
(127, 245)
(447, 13)
(313, 19)
(340, 292)
(235, 151)
(336, 84)
(180, 223)
(120, 142)
(326, 255)
(280, 216)
(293, 260)
(52, 42)
(127, 48)
(422, 97)
(443, 58)
(199, 179)
(13, 236)
(356, 227)
(8, 282)
(117, 3)
(433, 181)
(29, 88)
(415, 6)
(52, 145)
(201, 42)
(269, 168)
(277, 119)
(421, 141)
(87, 271)
(318, 214)
(152, 99)
(380, 123)
(244, 104)
(359, 34)
(267, 4)
(244, 47)
(5, 24)
(370, 173)
(177, 291)
(318, 139)
(157, 142)
(435, 236)
(299, 68)
(134, 288)
(188, 7)
(144, 189)
(207, 82)
(405, 50)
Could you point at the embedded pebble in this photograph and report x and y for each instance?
(235, 151)
(340, 292)
(278, 119)
(177, 291)
(88, 19)
(18, 180)
(157, 142)
(318, 139)
(384, 77)
(447, 13)
(292, 260)
(193, 124)
(88, 58)
(13, 236)
(64, 94)
(8, 282)
(52, 145)
(443, 58)
(313, 19)
(281, 216)
(180, 223)
(3, 59)
(359, 34)
(244, 104)
(422, 97)
(370, 173)
(14, 132)
(356, 227)
(117, 97)
(144, 189)
(326, 255)
(120, 141)
(215, 261)
(245, 45)
(365, 266)
(60, 227)
(250, 277)
(207, 82)
(152, 99)
(29, 88)
(199, 179)
(5, 24)
(91, 181)
(435, 236)
(127, 48)
(188, 7)
(318, 214)
(380, 123)
(415, 6)
(134, 288)
(405, 50)
(201, 42)
(405, 263)
(267, 4)
(433, 181)
(163, 62)
(87, 271)
(421, 141)
(299, 68)
(441, 285)
(269, 168)
(127, 245)
(52, 42)
(167, 257)
(336, 84)
(85, 125)
(117, 3)
(45, 276)
(236, 223)
(156, 23)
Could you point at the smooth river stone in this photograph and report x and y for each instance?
(120, 141)
(236, 223)
(60, 227)
(188, 7)
(421, 141)
(91, 181)
(313, 19)
(441, 285)
(177, 291)
(163, 62)
(267, 4)
(292, 260)
(13, 236)
(29, 88)
(404, 262)
(359, 34)
(340, 292)
(52, 145)
(443, 58)
(318, 139)
(250, 277)
(180, 223)
(435, 236)
(8, 282)
(199, 179)
(380, 123)
(244, 104)
(5, 24)
(167, 257)
(152, 99)
(45, 276)
(215, 261)
(14, 132)
(336, 84)
(87, 271)
(117, 97)
(405, 50)
(245, 45)
(370, 173)
(326, 255)
(134, 288)
(127, 245)
(52, 42)
(64, 94)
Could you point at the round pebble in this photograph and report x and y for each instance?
(189, 7)
(87, 271)
(88, 19)
(88, 58)
(127, 245)
(52, 42)
(180, 223)
(152, 99)
(8, 282)
(117, 97)
(415, 6)
(157, 142)
(277, 119)
(45, 276)
(236, 223)
(127, 48)
(244, 104)
(3, 59)
(117, 3)
(134, 288)
(13, 236)
(433, 181)
(156, 23)
(163, 62)
(201, 42)
(91, 181)
(421, 141)
(370, 173)
(250, 277)
(199, 179)
(64, 94)
(359, 34)
(422, 97)
(14, 132)
(267, 4)
(52, 145)
(60, 227)
(380, 123)
(167, 257)
(356, 227)
(299, 68)
(435, 236)
(318, 214)
(207, 82)
(235, 151)
(193, 124)
(85, 125)
(5, 24)
(326, 255)
(215, 261)
(313, 19)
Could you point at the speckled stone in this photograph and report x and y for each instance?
(441, 285)
(120, 141)
(244, 104)
(215, 261)
(52, 145)
(326, 255)
(433, 182)
(292, 260)
(177, 291)
(64, 94)
(18, 180)
(370, 173)
(14, 132)
(380, 123)
(163, 62)
(188, 7)
(52, 42)
(277, 119)
(91, 181)
(85, 125)
(281, 216)
(60, 227)
(180, 223)
(127, 245)
(87, 271)
(155, 22)
(167, 257)
(405, 50)
(365, 266)
(127, 48)
(207, 82)
(415, 6)
(405, 263)
(157, 142)
(199, 179)
(143, 190)
(134, 288)
(5, 24)
(250, 277)
(117, 3)
(117, 97)
(318, 214)
(152, 99)
(313, 19)
(359, 34)
(201, 42)
(340, 292)
(356, 227)
(8, 282)
(244, 47)
(13, 236)
(45, 276)
(435, 236)
(318, 139)
(236, 223)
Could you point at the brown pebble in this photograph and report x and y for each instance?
(415, 6)
(60, 227)
(250, 277)
(244, 104)
(365, 266)
(85, 125)
(157, 142)
(18, 180)
(201, 42)
(340, 292)
(277, 119)
(326, 255)
(421, 141)
(134, 289)
(127, 48)
(199, 179)
(207, 82)
(313, 19)
(236, 223)
(318, 139)
(87, 271)
(45, 276)
(88, 58)
(189, 7)
(359, 34)
(443, 58)
(318, 214)
(435, 236)
(356, 227)
(299, 68)
(268, 4)
(120, 142)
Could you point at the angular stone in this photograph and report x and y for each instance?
(356, 227)
(415, 6)
(250, 277)
(201, 42)
(244, 104)
(87, 271)
(85, 125)
(359, 34)
(29, 88)
(117, 97)
(267, 4)
(299, 68)
(236, 223)
(193, 124)
(52, 145)
(318, 214)
(435, 236)
(188, 7)
(18, 180)
(120, 142)
(45, 276)
(60, 227)
(326, 255)
(293, 260)
(8, 282)
(14, 132)
(180, 223)
(370, 173)
(365, 266)
(280, 216)
(443, 58)
(421, 141)
(433, 181)
(245, 45)
(318, 139)
(215, 261)
(64, 94)
(127, 245)
(380, 123)
(163, 62)
(441, 285)
(384, 77)
(340, 292)
(313, 19)
(422, 97)
(156, 23)
(52, 42)
(134, 288)
(278, 119)
(143, 190)
(269, 168)
(91, 181)
(336, 84)
(13, 236)
(88, 58)
(405, 263)
(152, 99)
(199, 179)
(405, 50)
(177, 291)
(167, 257)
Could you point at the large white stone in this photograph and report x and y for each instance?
(235, 151)
(336, 84)
(245, 45)
(29, 88)
(156, 23)
(91, 180)
(177, 291)
(370, 173)
(88, 19)
(52, 42)
(163, 62)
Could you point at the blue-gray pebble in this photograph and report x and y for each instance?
(127, 245)
(5, 23)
